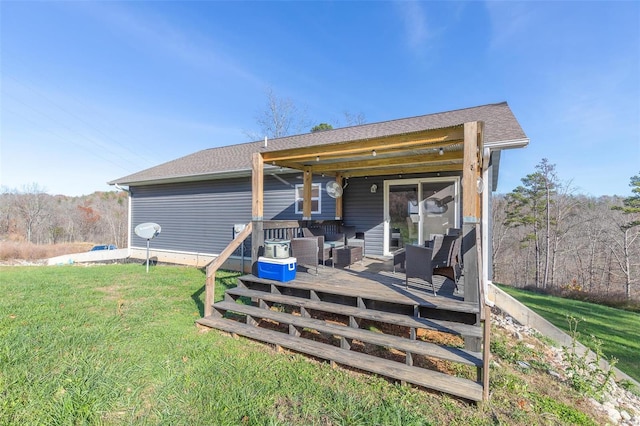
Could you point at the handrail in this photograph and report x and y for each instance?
(216, 263)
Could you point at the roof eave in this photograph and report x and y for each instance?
(497, 145)
(188, 178)
(198, 177)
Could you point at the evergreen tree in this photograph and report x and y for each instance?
(529, 205)
(630, 206)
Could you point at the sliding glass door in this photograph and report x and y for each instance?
(418, 209)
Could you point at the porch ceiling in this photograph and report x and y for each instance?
(406, 153)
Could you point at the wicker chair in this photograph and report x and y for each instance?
(446, 257)
(305, 250)
(326, 243)
(418, 264)
(353, 238)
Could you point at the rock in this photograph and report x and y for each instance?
(613, 414)
(555, 374)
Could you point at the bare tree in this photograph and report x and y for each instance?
(31, 205)
(354, 119)
(281, 117)
(499, 232)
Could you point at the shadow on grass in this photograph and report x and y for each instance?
(224, 281)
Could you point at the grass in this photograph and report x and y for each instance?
(616, 329)
(114, 345)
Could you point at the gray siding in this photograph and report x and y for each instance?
(365, 210)
(198, 217)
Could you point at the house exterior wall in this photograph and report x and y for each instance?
(198, 217)
(365, 209)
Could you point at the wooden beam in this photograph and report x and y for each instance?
(339, 199)
(306, 202)
(373, 162)
(257, 186)
(361, 146)
(399, 170)
(323, 156)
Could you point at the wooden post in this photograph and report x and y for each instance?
(257, 206)
(486, 353)
(470, 210)
(257, 241)
(339, 200)
(257, 187)
(209, 291)
(306, 203)
(471, 213)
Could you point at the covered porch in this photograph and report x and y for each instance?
(341, 304)
(458, 149)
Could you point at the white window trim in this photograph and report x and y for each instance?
(299, 189)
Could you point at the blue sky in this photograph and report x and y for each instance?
(92, 91)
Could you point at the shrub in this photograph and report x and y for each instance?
(16, 250)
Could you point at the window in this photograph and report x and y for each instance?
(315, 198)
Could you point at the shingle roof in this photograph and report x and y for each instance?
(500, 126)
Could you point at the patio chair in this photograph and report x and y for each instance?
(446, 257)
(326, 243)
(418, 264)
(413, 232)
(305, 250)
(353, 238)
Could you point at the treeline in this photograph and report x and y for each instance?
(547, 238)
(31, 215)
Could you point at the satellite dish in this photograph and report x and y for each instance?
(334, 190)
(147, 230)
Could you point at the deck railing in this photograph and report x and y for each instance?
(216, 263)
(285, 230)
(272, 229)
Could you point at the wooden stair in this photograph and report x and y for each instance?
(300, 304)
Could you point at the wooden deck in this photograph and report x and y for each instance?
(363, 317)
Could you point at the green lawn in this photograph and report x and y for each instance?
(618, 330)
(115, 345)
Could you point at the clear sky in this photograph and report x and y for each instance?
(93, 91)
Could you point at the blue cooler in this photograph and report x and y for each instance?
(277, 269)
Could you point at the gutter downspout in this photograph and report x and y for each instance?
(129, 216)
(486, 157)
(486, 194)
